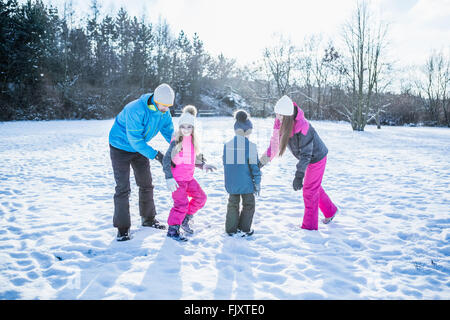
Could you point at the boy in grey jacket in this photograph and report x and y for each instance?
(242, 176)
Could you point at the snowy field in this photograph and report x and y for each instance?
(391, 239)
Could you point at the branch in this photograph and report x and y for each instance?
(306, 96)
(347, 115)
(378, 112)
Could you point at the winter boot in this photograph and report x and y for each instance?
(123, 234)
(185, 225)
(153, 223)
(174, 233)
(247, 234)
(328, 220)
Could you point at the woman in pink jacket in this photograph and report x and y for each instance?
(179, 165)
(291, 130)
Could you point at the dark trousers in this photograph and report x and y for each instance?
(236, 219)
(121, 162)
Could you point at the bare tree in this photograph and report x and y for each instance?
(304, 63)
(436, 87)
(365, 41)
(259, 88)
(279, 62)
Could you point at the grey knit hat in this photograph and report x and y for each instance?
(188, 116)
(164, 95)
(242, 121)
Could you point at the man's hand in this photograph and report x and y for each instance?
(159, 156)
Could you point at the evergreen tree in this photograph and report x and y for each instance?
(140, 61)
(180, 72)
(221, 68)
(8, 24)
(124, 42)
(164, 44)
(196, 66)
(93, 35)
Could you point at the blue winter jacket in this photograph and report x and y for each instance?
(240, 162)
(137, 124)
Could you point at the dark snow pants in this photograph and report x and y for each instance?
(121, 162)
(240, 220)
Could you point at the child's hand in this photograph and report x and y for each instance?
(172, 185)
(209, 168)
(257, 190)
(263, 161)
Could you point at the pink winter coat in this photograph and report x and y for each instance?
(184, 161)
(300, 125)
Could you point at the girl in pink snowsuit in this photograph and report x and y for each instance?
(179, 165)
(293, 131)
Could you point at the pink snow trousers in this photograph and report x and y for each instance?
(315, 197)
(181, 203)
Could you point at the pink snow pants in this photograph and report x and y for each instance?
(181, 203)
(315, 197)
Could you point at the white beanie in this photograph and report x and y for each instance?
(188, 116)
(284, 106)
(164, 95)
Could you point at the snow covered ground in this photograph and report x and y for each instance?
(391, 239)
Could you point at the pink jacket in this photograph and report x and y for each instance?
(184, 161)
(300, 125)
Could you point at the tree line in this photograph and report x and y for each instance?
(54, 68)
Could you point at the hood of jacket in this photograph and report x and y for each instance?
(300, 122)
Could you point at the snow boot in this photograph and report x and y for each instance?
(328, 220)
(123, 234)
(174, 233)
(153, 223)
(247, 234)
(185, 225)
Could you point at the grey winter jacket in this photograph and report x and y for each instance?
(307, 148)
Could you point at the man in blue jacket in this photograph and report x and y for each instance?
(138, 122)
(242, 177)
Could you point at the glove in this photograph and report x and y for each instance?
(201, 158)
(297, 184)
(257, 190)
(172, 185)
(209, 168)
(159, 156)
(263, 161)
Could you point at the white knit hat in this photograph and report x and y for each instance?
(284, 106)
(164, 95)
(188, 116)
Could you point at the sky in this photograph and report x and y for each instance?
(241, 29)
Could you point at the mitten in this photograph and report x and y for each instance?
(297, 184)
(172, 185)
(257, 190)
(263, 161)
